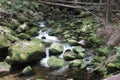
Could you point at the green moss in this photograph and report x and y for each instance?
(23, 36)
(4, 42)
(32, 32)
(55, 62)
(24, 50)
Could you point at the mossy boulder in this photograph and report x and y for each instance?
(4, 29)
(22, 28)
(78, 49)
(11, 37)
(56, 49)
(14, 23)
(26, 51)
(4, 42)
(23, 36)
(32, 32)
(55, 62)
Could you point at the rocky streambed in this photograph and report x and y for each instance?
(44, 42)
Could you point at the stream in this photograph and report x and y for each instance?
(42, 71)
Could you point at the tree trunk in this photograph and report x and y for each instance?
(108, 13)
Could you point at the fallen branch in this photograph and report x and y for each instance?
(71, 6)
(81, 3)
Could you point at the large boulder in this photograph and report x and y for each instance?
(56, 49)
(26, 51)
(55, 62)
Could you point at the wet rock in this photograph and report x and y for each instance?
(26, 51)
(27, 70)
(55, 62)
(4, 67)
(56, 49)
(23, 36)
(32, 32)
(76, 63)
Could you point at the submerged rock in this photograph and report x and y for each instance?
(55, 62)
(26, 51)
(56, 49)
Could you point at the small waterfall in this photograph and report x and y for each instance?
(43, 62)
(66, 47)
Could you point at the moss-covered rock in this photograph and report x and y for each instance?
(69, 56)
(11, 37)
(55, 62)
(23, 36)
(22, 28)
(4, 42)
(26, 51)
(27, 70)
(56, 49)
(78, 49)
(32, 32)
(72, 42)
(14, 24)
(76, 63)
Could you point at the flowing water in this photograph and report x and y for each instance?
(43, 71)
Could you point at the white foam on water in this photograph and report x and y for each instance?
(47, 38)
